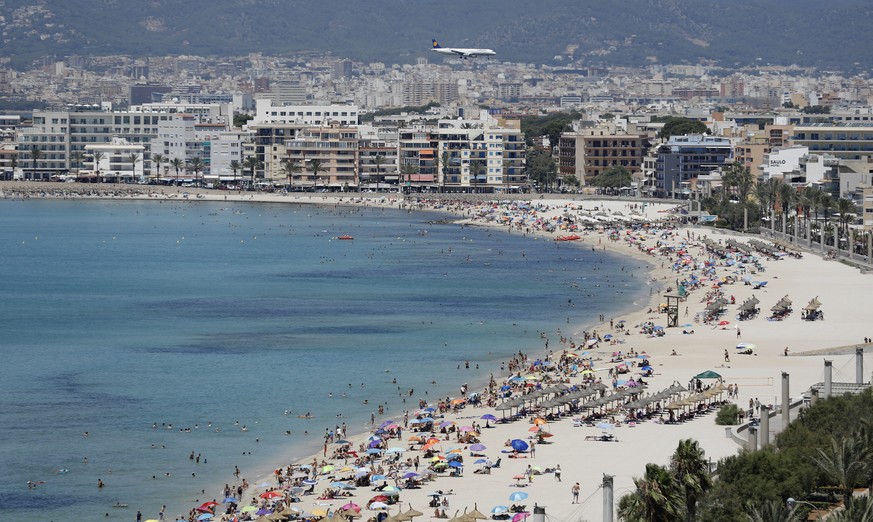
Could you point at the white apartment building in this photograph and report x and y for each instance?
(118, 161)
(268, 113)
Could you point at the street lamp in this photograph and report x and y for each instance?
(793, 504)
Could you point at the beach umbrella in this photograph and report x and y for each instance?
(351, 506)
(319, 512)
(271, 494)
(395, 449)
(412, 513)
(708, 374)
(496, 510)
(517, 496)
(263, 512)
(327, 469)
(342, 441)
(481, 461)
(478, 447)
(228, 500)
(488, 417)
(248, 509)
(205, 516)
(410, 475)
(520, 516)
(390, 491)
(518, 445)
(475, 514)
(378, 505)
(456, 464)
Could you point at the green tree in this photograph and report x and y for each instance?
(177, 165)
(677, 126)
(655, 499)
(35, 156)
(475, 169)
(542, 168)
(846, 462)
(252, 164)
(134, 160)
(235, 166)
(443, 164)
(75, 161)
(157, 162)
(316, 168)
(787, 195)
(406, 172)
(291, 168)
(614, 177)
(692, 475)
(773, 511)
(847, 210)
(378, 160)
(240, 119)
(860, 509)
(97, 156)
(816, 109)
(196, 165)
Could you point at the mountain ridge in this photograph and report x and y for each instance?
(632, 32)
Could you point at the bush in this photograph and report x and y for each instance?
(727, 415)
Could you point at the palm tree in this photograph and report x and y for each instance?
(177, 165)
(75, 160)
(443, 160)
(859, 510)
(252, 163)
(786, 195)
(773, 511)
(406, 172)
(235, 166)
(378, 160)
(826, 203)
(316, 168)
(847, 209)
(656, 498)
(196, 165)
(97, 156)
(291, 168)
(134, 159)
(475, 168)
(35, 156)
(766, 195)
(157, 161)
(846, 462)
(13, 162)
(692, 474)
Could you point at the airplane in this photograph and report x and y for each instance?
(461, 53)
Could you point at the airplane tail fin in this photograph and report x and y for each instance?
(436, 44)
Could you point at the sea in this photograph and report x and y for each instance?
(137, 333)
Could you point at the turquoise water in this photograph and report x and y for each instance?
(118, 315)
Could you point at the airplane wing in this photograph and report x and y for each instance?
(460, 52)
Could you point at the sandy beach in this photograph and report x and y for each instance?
(676, 254)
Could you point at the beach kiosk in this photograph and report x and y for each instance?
(673, 310)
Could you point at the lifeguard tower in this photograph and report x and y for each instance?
(673, 310)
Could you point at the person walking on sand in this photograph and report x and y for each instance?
(558, 473)
(575, 491)
(727, 357)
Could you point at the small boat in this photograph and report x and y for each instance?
(119, 505)
(572, 237)
(345, 238)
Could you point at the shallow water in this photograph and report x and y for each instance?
(118, 315)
